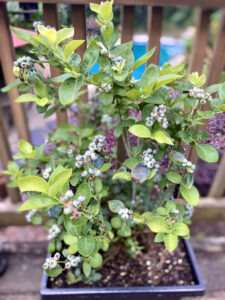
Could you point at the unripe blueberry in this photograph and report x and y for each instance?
(94, 156)
(73, 263)
(78, 164)
(45, 266)
(97, 173)
(84, 173)
(67, 265)
(70, 257)
(81, 198)
(68, 210)
(48, 170)
(53, 264)
(45, 175)
(69, 194)
(189, 164)
(57, 256)
(79, 157)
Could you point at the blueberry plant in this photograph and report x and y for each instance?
(75, 183)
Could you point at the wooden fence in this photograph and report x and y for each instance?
(154, 21)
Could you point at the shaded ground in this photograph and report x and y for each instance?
(25, 249)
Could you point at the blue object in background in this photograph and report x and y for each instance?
(167, 52)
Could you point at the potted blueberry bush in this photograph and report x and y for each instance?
(105, 184)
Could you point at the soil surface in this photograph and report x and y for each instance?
(155, 266)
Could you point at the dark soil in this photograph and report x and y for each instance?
(153, 267)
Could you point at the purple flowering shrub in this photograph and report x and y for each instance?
(116, 167)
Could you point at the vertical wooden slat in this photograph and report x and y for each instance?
(127, 24)
(218, 58)
(5, 156)
(217, 188)
(79, 24)
(7, 56)
(201, 40)
(51, 18)
(155, 17)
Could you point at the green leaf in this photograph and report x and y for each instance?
(105, 167)
(41, 89)
(144, 58)
(86, 245)
(181, 229)
(71, 47)
(171, 241)
(37, 202)
(207, 153)
(74, 230)
(158, 224)
(69, 239)
(33, 184)
(90, 57)
(61, 78)
(162, 211)
(122, 176)
(177, 157)
(73, 248)
(84, 189)
(125, 231)
(140, 131)
(116, 222)
(98, 185)
(115, 205)
(197, 80)
(42, 101)
(118, 131)
(161, 137)
(68, 91)
(59, 180)
(27, 98)
(12, 85)
(54, 272)
(25, 147)
(205, 114)
(86, 267)
(96, 260)
(174, 177)
(149, 77)
(64, 34)
(130, 163)
(190, 195)
(222, 91)
(159, 237)
(166, 79)
(106, 98)
(57, 170)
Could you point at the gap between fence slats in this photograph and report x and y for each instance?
(51, 18)
(154, 19)
(7, 56)
(201, 40)
(5, 156)
(127, 25)
(217, 188)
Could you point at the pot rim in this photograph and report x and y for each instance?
(193, 290)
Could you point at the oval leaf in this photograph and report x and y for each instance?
(190, 195)
(207, 153)
(140, 131)
(33, 184)
(86, 245)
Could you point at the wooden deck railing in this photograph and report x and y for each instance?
(155, 17)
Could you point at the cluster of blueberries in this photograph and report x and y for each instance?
(199, 94)
(189, 165)
(52, 262)
(26, 66)
(71, 207)
(72, 261)
(149, 160)
(47, 172)
(158, 114)
(53, 232)
(92, 155)
(125, 213)
(116, 61)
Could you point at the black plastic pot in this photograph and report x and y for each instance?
(131, 293)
